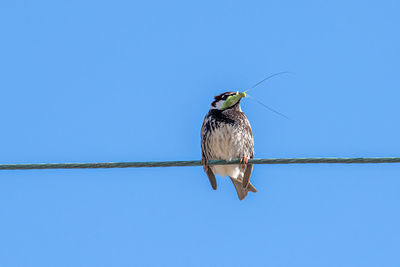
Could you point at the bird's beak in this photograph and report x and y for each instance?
(233, 99)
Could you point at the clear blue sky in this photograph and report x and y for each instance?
(98, 81)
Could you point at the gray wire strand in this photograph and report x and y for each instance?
(192, 163)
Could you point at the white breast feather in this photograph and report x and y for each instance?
(226, 144)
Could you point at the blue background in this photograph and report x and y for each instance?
(100, 81)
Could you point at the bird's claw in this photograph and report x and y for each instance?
(243, 162)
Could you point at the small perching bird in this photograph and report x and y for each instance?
(225, 135)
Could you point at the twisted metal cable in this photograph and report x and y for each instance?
(192, 163)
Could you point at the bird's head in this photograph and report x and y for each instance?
(227, 100)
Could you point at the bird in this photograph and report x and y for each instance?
(225, 135)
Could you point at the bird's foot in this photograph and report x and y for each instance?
(243, 162)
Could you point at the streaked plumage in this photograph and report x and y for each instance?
(225, 135)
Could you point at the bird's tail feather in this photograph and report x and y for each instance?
(251, 188)
(241, 191)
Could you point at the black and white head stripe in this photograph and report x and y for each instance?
(220, 99)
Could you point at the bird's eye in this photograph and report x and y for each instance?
(225, 97)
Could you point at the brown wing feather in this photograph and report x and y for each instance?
(249, 167)
(247, 174)
(211, 177)
(204, 160)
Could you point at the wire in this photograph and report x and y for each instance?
(192, 163)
